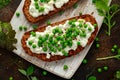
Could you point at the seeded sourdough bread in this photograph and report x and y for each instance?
(86, 17)
(43, 17)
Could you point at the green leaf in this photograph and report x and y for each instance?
(7, 36)
(113, 24)
(102, 5)
(22, 71)
(101, 12)
(114, 7)
(105, 21)
(30, 70)
(34, 78)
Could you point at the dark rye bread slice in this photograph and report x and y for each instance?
(86, 17)
(43, 17)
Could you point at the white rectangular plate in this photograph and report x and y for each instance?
(84, 6)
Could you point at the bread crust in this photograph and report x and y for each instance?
(43, 17)
(86, 17)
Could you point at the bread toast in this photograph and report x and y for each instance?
(43, 17)
(86, 17)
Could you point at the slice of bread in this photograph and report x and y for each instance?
(43, 17)
(86, 17)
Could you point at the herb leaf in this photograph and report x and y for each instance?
(34, 78)
(117, 56)
(30, 70)
(22, 71)
(7, 36)
(104, 7)
(105, 10)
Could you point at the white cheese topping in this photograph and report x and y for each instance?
(64, 27)
(48, 6)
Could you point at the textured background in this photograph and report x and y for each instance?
(9, 62)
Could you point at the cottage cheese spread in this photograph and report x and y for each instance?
(43, 7)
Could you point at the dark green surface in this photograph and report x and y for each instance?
(10, 62)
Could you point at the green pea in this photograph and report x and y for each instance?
(25, 28)
(53, 42)
(75, 5)
(44, 73)
(48, 22)
(59, 31)
(20, 28)
(115, 46)
(43, 39)
(41, 9)
(58, 37)
(45, 43)
(46, 36)
(96, 39)
(64, 53)
(70, 22)
(10, 78)
(54, 31)
(64, 45)
(51, 38)
(112, 50)
(33, 33)
(17, 14)
(64, 35)
(84, 61)
(55, 50)
(34, 26)
(83, 30)
(50, 45)
(91, 78)
(90, 29)
(68, 35)
(70, 44)
(73, 25)
(77, 31)
(65, 67)
(105, 68)
(52, 49)
(78, 43)
(95, 25)
(99, 70)
(85, 25)
(36, 5)
(59, 48)
(45, 49)
(34, 46)
(75, 34)
(74, 20)
(93, 1)
(56, 45)
(40, 43)
(56, 41)
(30, 43)
(97, 45)
(83, 35)
(80, 25)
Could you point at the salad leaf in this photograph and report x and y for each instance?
(7, 36)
